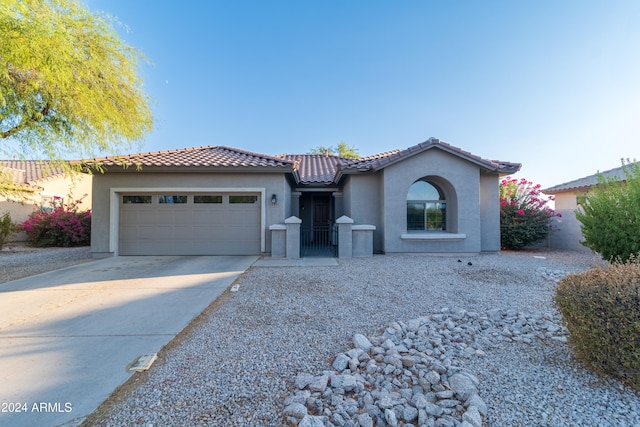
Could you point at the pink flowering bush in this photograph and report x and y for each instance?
(59, 226)
(525, 217)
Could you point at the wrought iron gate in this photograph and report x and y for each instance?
(319, 240)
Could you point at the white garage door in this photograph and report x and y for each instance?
(189, 224)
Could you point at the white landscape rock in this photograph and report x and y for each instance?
(362, 342)
(415, 372)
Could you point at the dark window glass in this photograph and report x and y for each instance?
(415, 216)
(436, 215)
(243, 199)
(207, 199)
(136, 199)
(172, 199)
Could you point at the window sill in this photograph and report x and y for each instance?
(441, 236)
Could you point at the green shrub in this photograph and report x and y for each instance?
(59, 226)
(610, 215)
(7, 227)
(601, 308)
(525, 218)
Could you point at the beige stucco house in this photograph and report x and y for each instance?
(41, 184)
(215, 200)
(567, 230)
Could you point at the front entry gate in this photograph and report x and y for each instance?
(319, 241)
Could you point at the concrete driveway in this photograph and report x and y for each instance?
(67, 336)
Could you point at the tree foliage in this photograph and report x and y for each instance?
(525, 217)
(341, 150)
(7, 228)
(68, 83)
(610, 215)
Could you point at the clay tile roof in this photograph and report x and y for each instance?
(30, 172)
(209, 156)
(370, 162)
(307, 168)
(587, 182)
(315, 168)
(380, 161)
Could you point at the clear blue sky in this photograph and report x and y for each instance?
(554, 85)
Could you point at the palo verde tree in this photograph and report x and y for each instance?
(610, 215)
(69, 86)
(341, 150)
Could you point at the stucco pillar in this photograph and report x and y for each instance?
(362, 240)
(278, 240)
(338, 204)
(345, 243)
(293, 237)
(295, 203)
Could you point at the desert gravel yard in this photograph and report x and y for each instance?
(18, 260)
(237, 364)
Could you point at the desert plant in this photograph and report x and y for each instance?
(610, 215)
(601, 309)
(58, 226)
(7, 228)
(525, 217)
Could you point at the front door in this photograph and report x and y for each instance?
(320, 212)
(321, 221)
(316, 239)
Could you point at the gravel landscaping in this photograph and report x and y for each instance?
(281, 350)
(18, 260)
(244, 361)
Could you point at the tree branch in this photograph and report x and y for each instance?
(35, 117)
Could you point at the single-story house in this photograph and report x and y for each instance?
(216, 200)
(567, 233)
(40, 184)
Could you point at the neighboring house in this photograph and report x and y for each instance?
(216, 200)
(38, 184)
(568, 230)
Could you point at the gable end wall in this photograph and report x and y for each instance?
(464, 178)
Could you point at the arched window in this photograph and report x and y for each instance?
(426, 207)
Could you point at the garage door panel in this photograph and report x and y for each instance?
(170, 216)
(129, 216)
(205, 218)
(142, 232)
(190, 228)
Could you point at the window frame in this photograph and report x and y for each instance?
(50, 202)
(432, 210)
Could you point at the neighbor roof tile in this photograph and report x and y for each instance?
(30, 172)
(587, 182)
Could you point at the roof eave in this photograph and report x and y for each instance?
(434, 143)
(578, 189)
(129, 168)
(506, 168)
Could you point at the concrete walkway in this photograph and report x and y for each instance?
(299, 262)
(67, 336)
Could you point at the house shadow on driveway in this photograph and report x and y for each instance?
(67, 336)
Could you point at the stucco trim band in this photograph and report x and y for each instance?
(433, 236)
